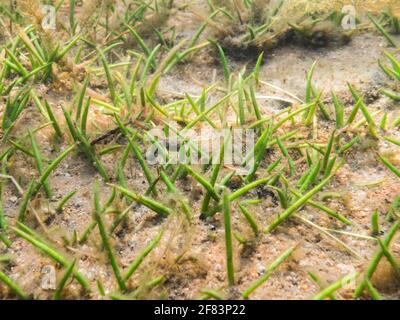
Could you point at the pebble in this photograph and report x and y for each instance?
(261, 269)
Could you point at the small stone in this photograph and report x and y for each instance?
(13, 199)
(261, 269)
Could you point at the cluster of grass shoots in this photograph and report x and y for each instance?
(132, 107)
(263, 24)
